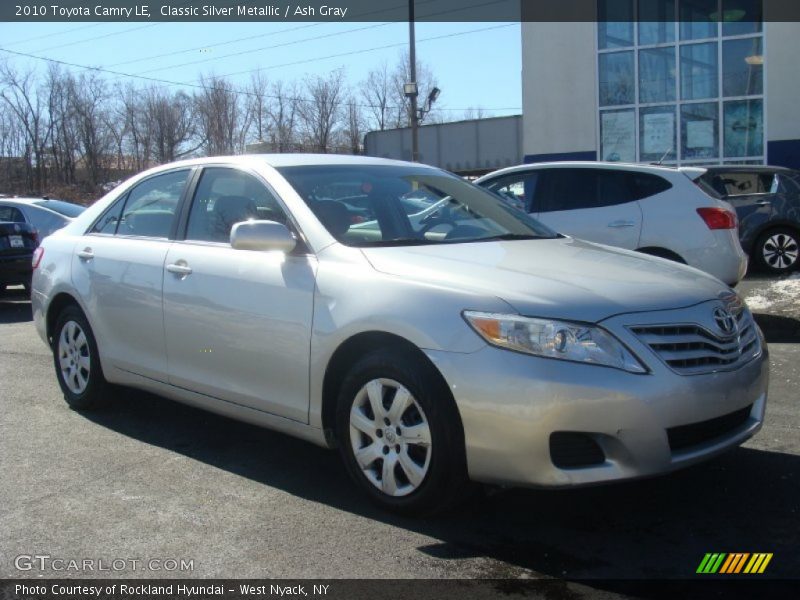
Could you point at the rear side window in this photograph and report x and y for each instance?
(644, 185)
(151, 205)
(742, 183)
(11, 214)
(576, 189)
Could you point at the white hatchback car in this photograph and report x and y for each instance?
(660, 211)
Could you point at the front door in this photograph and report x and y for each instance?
(238, 322)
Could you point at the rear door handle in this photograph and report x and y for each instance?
(86, 254)
(179, 269)
(621, 223)
(763, 203)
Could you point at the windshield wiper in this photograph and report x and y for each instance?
(510, 236)
(397, 242)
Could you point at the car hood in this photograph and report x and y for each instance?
(557, 278)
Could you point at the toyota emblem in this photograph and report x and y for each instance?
(725, 321)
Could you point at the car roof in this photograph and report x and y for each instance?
(748, 169)
(641, 167)
(296, 160)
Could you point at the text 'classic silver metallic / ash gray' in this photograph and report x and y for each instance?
(433, 333)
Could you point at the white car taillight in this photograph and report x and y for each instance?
(37, 257)
(718, 218)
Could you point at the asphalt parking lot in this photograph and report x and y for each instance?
(151, 479)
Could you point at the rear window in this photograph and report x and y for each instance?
(68, 209)
(741, 183)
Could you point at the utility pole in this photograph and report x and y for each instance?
(411, 88)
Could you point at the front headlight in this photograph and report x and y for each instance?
(554, 339)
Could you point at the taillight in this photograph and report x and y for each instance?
(718, 218)
(37, 257)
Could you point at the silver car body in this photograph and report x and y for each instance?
(251, 334)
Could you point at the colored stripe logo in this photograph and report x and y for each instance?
(734, 563)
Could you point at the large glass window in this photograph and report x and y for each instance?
(151, 205)
(685, 85)
(742, 67)
(617, 83)
(744, 128)
(700, 130)
(657, 75)
(699, 76)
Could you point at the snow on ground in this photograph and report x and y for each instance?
(783, 294)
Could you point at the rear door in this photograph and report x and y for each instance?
(592, 204)
(238, 322)
(118, 270)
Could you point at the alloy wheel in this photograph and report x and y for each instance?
(74, 358)
(780, 251)
(390, 437)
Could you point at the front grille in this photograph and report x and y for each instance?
(691, 349)
(572, 450)
(686, 436)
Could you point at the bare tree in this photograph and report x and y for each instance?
(89, 105)
(258, 107)
(283, 116)
(220, 121)
(18, 91)
(378, 92)
(169, 117)
(321, 110)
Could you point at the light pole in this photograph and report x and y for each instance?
(410, 88)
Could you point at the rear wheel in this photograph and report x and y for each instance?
(777, 250)
(77, 361)
(400, 435)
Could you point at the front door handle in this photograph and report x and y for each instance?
(86, 254)
(763, 203)
(621, 223)
(180, 268)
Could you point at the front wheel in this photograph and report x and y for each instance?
(77, 361)
(777, 250)
(400, 435)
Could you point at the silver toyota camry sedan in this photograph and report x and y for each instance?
(434, 334)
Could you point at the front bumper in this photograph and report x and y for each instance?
(510, 405)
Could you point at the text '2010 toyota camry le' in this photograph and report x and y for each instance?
(433, 333)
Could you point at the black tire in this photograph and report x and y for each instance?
(777, 251)
(69, 359)
(445, 482)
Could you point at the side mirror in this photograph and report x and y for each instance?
(262, 235)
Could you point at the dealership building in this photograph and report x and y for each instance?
(686, 87)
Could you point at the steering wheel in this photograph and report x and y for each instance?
(432, 221)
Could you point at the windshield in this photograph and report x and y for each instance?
(375, 205)
(64, 208)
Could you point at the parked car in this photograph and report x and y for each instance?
(767, 202)
(17, 242)
(472, 345)
(655, 210)
(44, 214)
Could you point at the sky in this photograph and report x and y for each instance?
(476, 65)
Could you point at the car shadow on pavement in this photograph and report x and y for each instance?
(15, 306)
(744, 501)
(778, 329)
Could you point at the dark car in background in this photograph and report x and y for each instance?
(767, 203)
(45, 215)
(17, 244)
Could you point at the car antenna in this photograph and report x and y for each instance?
(663, 156)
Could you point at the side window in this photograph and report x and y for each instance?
(518, 189)
(225, 197)
(11, 214)
(644, 185)
(107, 223)
(45, 221)
(739, 183)
(613, 187)
(151, 205)
(569, 189)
